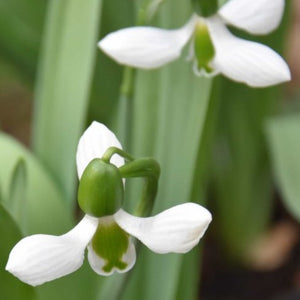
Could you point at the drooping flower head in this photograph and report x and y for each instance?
(213, 48)
(106, 229)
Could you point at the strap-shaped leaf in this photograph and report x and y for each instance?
(284, 141)
(17, 199)
(62, 89)
(11, 287)
(44, 200)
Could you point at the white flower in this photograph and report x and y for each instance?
(244, 61)
(40, 258)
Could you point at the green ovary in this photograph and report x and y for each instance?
(111, 242)
(203, 47)
(100, 191)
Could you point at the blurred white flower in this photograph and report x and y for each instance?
(214, 49)
(40, 258)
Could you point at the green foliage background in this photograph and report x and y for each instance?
(218, 142)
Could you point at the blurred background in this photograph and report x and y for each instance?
(252, 167)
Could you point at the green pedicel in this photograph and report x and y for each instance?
(205, 8)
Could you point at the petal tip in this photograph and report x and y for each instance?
(287, 76)
(93, 143)
(177, 229)
(282, 77)
(16, 269)
(103, 45)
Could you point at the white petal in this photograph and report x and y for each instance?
(93, 143)
(254, 16)
(147, 47)
(40, 258)
(252, 63)
(177, 229)
(97, 262)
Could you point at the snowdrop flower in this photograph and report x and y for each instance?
(213, 48)
(40, 258)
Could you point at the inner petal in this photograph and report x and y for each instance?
(110, 249)
(203, 47)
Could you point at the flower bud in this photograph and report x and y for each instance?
(100, 191)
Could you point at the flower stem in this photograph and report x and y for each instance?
(205, 8)
(150, 170)
(114, 150)
(124, 126)
(125, 107)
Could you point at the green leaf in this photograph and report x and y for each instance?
(112, 287)
(44, 199)
(82, 284)
(17, 199)
(284, 143)
(241, 165)
(171, 131)
(108, 74)
(20, 33)
(63, 84)
(10, 287)
(188, 283)
(46, 213)
(146, 112)
(242, 178)
(178, 142)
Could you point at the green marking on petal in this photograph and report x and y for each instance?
(111, 242)
(203, 46)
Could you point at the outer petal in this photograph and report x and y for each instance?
(147, 47)
(177, 229)
(254, 16)
(93, 144)
(40, 258)
(97, 263)
(252, 63)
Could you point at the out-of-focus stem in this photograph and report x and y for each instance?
(125, 108)
(205, 8)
